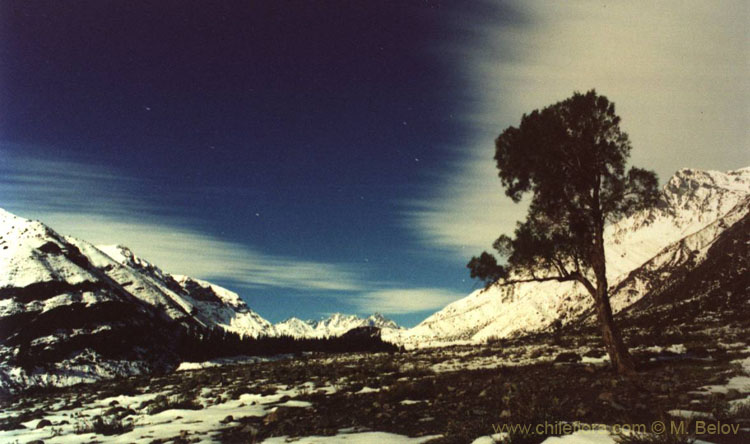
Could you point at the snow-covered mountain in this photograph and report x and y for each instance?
(71, 312)
(335, 325)
(64, 303)
(88, 311)
(209, 304)
(695, 207)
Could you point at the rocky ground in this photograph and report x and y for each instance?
(460, 394)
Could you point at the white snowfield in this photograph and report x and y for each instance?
(695, 207)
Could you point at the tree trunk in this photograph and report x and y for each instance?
(621, 360)
(619, 356)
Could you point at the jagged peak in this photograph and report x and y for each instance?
(295, 320)
(691, 179)
(124, 255)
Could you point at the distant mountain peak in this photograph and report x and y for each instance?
(336, 324)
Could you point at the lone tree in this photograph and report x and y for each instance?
(571, 156)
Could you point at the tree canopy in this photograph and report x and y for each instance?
(571, 157)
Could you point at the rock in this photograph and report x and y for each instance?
(617, 406)
(537, 352)
(271, 417)
(606, 396)
(249, 430)
(228, 419)
(594, 353)
(733, 394)
(567, 357)
(698, 352)
(43, 423)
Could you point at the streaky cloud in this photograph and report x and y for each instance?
(405, 300)
(677, 72)
(103, 207)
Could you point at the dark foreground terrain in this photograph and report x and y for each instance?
(458, 394)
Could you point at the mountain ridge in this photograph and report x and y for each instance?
(334, 325)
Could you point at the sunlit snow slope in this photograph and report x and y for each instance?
(695, 207)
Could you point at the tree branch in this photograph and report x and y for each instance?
(535, 279)
(574, 276)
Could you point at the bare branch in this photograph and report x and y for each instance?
(505, 282)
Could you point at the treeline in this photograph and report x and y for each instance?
(217, 343)
(169, 345)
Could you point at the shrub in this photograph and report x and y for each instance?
(102, 426)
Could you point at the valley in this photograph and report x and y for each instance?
(97, 346)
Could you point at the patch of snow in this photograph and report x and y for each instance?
(677, 348)
(366, 389)
(744, 363)
(739, 383)
(492, 439)
(235, 360)
(690, 414)
(410, 402)
(583, 437)
(590, 360)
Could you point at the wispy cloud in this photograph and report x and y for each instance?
(405, 300)
(103, 207)
(184, 251)
(677, 72)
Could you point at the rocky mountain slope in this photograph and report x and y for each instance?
(694, 209)
(63, 305)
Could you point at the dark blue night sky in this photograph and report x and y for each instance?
(290, 140)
